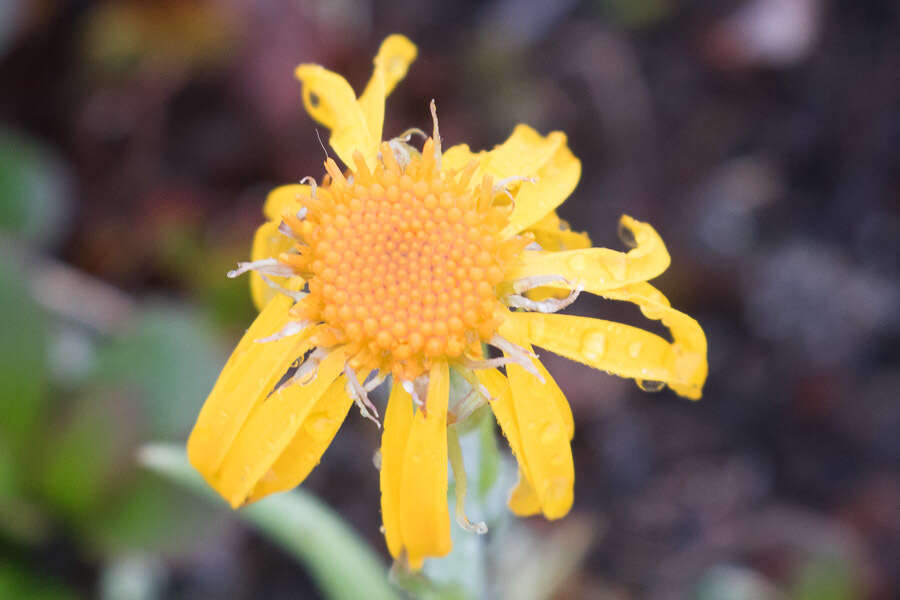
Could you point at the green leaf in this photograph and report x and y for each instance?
(342, 565)
(23, 359)
(171, 357)
(34, 189)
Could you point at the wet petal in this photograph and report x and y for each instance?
(249, 375)
(621, 349)
(391, 63)
(425, 521)
(285, 199)
(268, 242)
(556, 180)
(397, 423)
(269, 431)
(554, 234)
(525, 153)
(309, 444)
(523, 500)
(600, 269)
(330, 100)
(545, 434)
(458, 157)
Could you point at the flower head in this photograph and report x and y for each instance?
(408, 263)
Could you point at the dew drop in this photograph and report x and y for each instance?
(649, 385)
(549, 433)
(577, 262)
(593, 345)
(558, 461)
(317, 426)
(634, 350)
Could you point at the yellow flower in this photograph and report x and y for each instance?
(408, 264)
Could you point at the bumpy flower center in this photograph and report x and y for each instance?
(403, 262)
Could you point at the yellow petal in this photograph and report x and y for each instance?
(425, 519)
(249, 375)
(309, 444)
(268, 242)
(285, 199)
(504, 411)
(689, 341)
(391, 63)
(397, 423)
(270, 429)
(458, 157)
(554, 234)
(523, 154)
(544, 431)
(556, 179)
(600, 269)
(621, 349)
(523, 500)
(330, 100)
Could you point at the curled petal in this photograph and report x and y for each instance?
(269, 430)
(309, 443)
(554, 234)
(621, 349)
(600, 269)
(330, 100)
(524, 154)
(425, 522)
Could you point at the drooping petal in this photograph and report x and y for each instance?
(391, 63)
(425, 519)
(285, 199)
(689, 341)
(523, 500)
(249, 375)
(621, 349)
(544, 430)
(330, 100)
(537, 422)
(270, 429)
(600, 269)
(309, 444)
(397, 423)
(268, 242)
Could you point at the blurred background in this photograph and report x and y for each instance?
(138, 140)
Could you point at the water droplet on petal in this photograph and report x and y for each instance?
(634, 350)
(648, 385)
(558, 461)
(577, 262)
(593, 345)
(549, 433)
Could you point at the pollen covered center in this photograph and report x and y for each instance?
(403, 262)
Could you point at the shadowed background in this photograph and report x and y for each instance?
(761, 138)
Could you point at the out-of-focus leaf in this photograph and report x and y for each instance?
(826, 579)
(34, 189)
(342, 565)
(729, 582)
(15, 582)
(79, 457)
(148, 515)
(171, 358)
(23, 352)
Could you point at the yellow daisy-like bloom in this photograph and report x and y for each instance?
(408, 264)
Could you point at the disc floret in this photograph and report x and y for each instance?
(403, 262)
